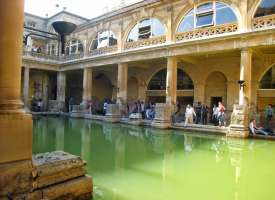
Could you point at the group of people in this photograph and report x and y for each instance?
(146, 111)
(200, 114)
(267, 130)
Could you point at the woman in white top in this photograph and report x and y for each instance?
(189, 114)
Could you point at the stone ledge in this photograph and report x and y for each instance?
(56, 167)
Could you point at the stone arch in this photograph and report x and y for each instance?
(264, 77)
(163, 70)
(254, 9)
(102, 87)
(134, 23)
(263, 71)
(215, 88)
(189, 7)
(132, 89)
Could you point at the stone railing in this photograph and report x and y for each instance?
(104, 50)
(43, 56)
(208, 31)
(264, 22)
(40, 56)
(146, 42)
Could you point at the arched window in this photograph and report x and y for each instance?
(74, 46)
(268, 80)
(145, 29)
(104, 39)
(158, 82)
(267, 7)
(207, 14)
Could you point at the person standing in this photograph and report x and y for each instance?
(105, 105)
(221, 115)
(189, 114)
(269, 115)
(198, 112)
(204, 112)
(215, 115)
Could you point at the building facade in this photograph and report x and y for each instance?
(163, 51)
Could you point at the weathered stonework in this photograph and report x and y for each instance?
(239, 122)
(162, 116)
(113, 113)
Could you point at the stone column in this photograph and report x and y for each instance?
(15, 124)
(170, 32)
(199, 92)
(163, 112)
(61, 90)
(45, 91)
(26, 87)
(61, 86)
(15, 141)
(171, 81)
(246, 75)
(241, 111)
(87, 84)
(122, 80)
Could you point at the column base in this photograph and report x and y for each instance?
(15, 137)
(56, 106)
(113, 114)
(162, 116)
(239, 122)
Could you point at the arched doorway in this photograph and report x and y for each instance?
(102, 87)
(215, 89)
(156, 89)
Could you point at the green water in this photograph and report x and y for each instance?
(136, 163)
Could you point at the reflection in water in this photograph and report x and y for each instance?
(136, 163)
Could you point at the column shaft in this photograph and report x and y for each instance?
(61, 86)
(15, 124)
(26, 86)
(171, 81)
(10, 56)
(87, 84)
(122, 80)
(246, 75)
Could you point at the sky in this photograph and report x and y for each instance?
(85, 8)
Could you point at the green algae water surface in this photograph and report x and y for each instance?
(134, 163)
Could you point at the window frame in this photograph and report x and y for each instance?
(205, 13)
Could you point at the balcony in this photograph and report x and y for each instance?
(103, 50)
(145, 42)
(207, 32)
(264, 22)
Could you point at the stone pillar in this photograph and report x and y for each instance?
(61, 90)
(199, 92)
(61, 86)
(165, 111)
(170, 21)
(241, 112)
(45, 91)
(87, 85)
(171, 81)
(122, 80)
(15, 124)
(246, 75)
(26, 87)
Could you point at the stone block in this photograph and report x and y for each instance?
(56, 167)
(15, 178)
(113, 113)
(15, 137)
(162, 116)
(239, 122)
(76, 189)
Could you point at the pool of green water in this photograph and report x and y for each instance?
(134, 163)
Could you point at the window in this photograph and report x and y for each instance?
(74, 47)
(267, 7)
(158, 82)
(31, 24)
(145, 29)
(268, 81)
(104, 39)
(208, 14)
